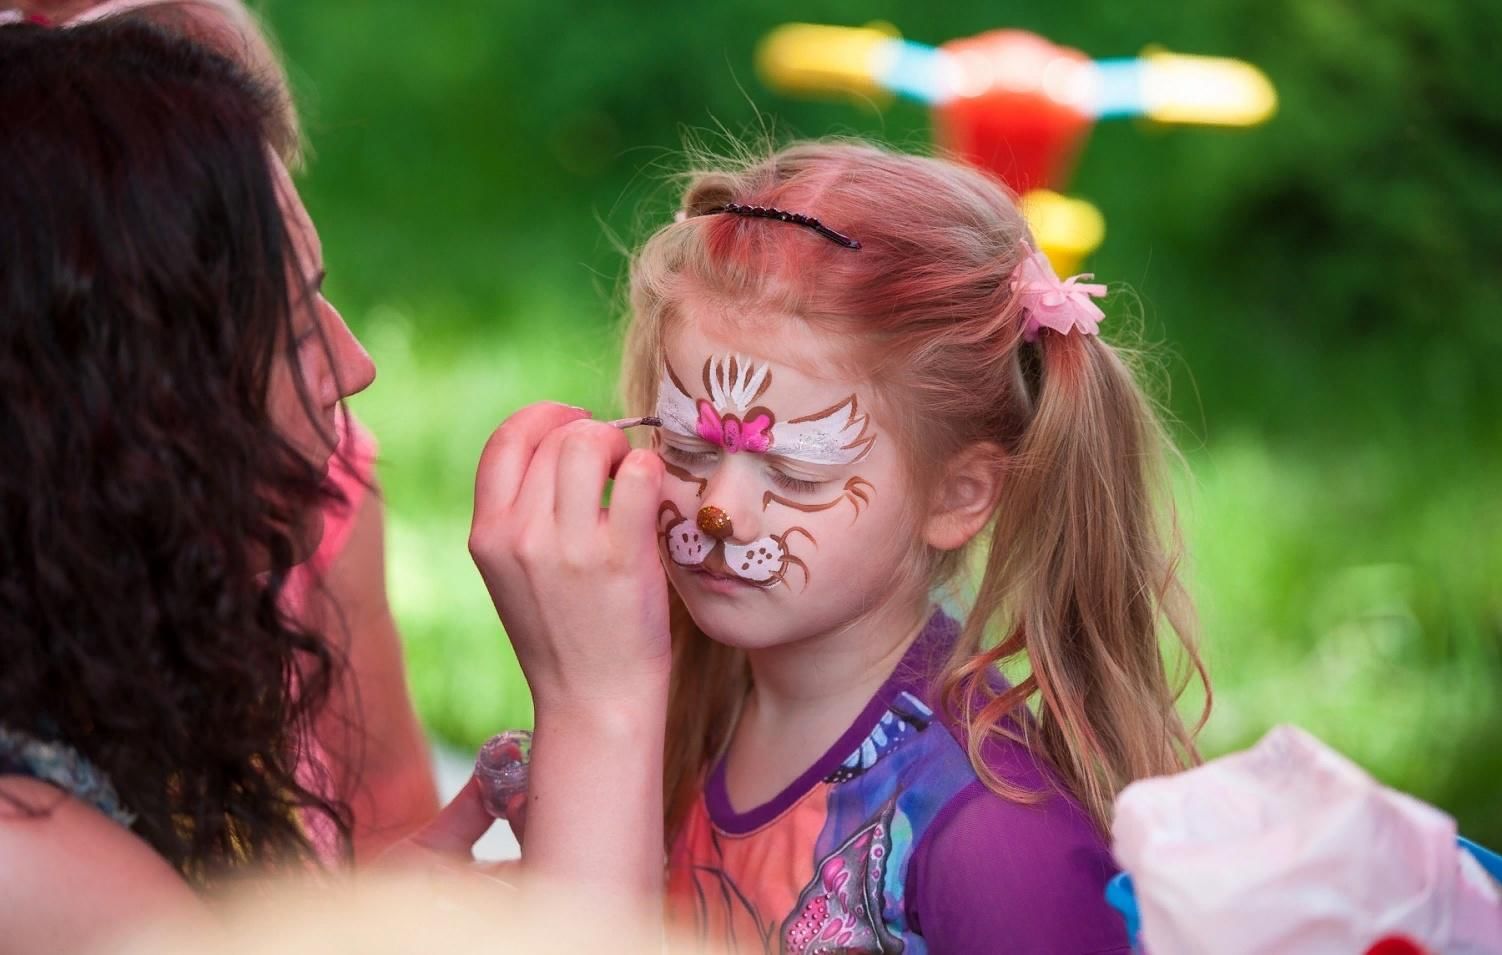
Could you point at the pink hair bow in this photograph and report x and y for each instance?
(731, 433)
(1062, 306)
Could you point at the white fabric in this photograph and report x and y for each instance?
(1290, 847)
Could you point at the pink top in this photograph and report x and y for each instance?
(351, 472)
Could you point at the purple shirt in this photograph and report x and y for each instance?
(890, 843)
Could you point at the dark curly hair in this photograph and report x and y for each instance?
(148, 505)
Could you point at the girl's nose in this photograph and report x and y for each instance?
(731, 507)
(715, 522)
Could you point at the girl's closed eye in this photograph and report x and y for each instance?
(803, 485)
(697, 457)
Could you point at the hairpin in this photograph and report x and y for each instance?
(767, 212)
(1059, 305)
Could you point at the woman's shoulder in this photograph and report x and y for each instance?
(71, 875)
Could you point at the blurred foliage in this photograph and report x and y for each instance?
(1323, 292)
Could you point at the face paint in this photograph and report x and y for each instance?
(835, 436)
(857, 491)
(731, 421)
(791, 451)
(685, 476)
(764, 562)
(728, 419)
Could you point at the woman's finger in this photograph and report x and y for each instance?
(590, 452)
(535, 499)
(458, 826)
(635, 500)
(509, 452)
(516, 816)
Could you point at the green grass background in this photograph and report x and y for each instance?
(1322, 292)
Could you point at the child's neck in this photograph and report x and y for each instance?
(853, 660)
(804, 695)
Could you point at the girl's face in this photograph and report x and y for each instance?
(325, 356)
(786, 510)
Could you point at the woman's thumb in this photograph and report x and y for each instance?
(458, 826)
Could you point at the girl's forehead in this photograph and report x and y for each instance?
(801, 365)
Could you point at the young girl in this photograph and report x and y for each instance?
(862, 366)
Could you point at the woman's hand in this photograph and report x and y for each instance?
(583, 598)
(446, 844)
(579, 588)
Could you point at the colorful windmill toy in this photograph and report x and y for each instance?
(1019, 105)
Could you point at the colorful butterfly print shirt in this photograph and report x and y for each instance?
(890, 843)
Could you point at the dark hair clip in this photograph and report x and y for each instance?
(808, 222)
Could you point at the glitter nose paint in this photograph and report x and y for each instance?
(714, 522)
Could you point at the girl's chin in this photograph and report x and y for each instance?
(736, 622)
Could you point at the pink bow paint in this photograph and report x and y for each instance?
(753, 435)
(1061, 306)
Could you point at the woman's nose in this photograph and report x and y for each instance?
(353, 369)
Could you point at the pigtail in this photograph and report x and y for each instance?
(1085, 570)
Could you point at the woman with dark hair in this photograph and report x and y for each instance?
(368, 747)
(171, 381)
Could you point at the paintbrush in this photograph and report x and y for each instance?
(649, 421)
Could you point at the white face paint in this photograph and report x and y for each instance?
(761, 561)
(836, 436)
(734, 382)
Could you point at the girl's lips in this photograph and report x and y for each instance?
(720, 583)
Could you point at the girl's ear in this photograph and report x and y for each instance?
(964, 498)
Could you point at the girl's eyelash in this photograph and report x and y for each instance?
(683, 456)
(692, 458)
(795, 484)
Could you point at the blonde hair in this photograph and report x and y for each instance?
(1080, 572)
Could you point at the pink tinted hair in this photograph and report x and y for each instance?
(1080, 572)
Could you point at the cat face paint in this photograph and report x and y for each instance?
(805, 519)
(730, 419)
(763, 562)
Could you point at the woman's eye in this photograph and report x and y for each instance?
(687, 458)
(795, 484)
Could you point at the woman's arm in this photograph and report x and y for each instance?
(71, 878)
(583, 598)
(379, 754)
